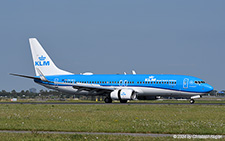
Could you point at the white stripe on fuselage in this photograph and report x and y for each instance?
(142, 91)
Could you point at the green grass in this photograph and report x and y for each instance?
(174, 119)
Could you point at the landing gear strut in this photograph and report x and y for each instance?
(108, 100)
(192, 101)
(123, 101)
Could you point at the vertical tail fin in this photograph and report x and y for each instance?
(42, 62)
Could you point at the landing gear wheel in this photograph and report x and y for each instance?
(192, 101)
(123, 101)
(108, 100)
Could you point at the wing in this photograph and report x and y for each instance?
(93, 89)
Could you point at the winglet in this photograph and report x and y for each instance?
(42, 77)
(133, 72)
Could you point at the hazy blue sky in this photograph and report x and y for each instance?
(108, 37)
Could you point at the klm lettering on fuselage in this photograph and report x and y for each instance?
(42, 61)
(150, 78)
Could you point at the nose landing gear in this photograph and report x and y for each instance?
(192, 101)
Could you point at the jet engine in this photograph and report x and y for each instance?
(123, 94)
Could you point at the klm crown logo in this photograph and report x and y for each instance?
(42, 58)
(123, 94)
(42, 61)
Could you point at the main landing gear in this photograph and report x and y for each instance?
(108, 100)
(192, 101)
(123, 101)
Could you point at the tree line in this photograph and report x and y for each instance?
(51, 94)
(43, 94)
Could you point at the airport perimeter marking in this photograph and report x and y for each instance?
(124, 134)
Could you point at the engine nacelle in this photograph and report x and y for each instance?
(196, 96)
(123, 94)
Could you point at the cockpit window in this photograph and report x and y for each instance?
(199, 82)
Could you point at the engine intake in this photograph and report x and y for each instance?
(123, 94)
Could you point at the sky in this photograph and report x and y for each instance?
(109, 37)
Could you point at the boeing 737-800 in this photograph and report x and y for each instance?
(121, 87)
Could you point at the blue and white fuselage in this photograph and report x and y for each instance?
(114, 87)
(145, 85)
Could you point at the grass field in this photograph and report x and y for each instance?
(174, 119)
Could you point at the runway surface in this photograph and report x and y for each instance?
(87, 103)
(89, 133)
(104, 133)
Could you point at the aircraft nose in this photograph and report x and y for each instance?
(208, 88)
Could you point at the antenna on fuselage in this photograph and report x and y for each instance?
(133, 72)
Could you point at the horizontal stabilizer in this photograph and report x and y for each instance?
(25, 76)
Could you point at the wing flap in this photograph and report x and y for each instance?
(92, 88)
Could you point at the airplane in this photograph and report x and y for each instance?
(122, 87)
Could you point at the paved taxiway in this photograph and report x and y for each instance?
(87, 103)
(88, 133)
(98, 133)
